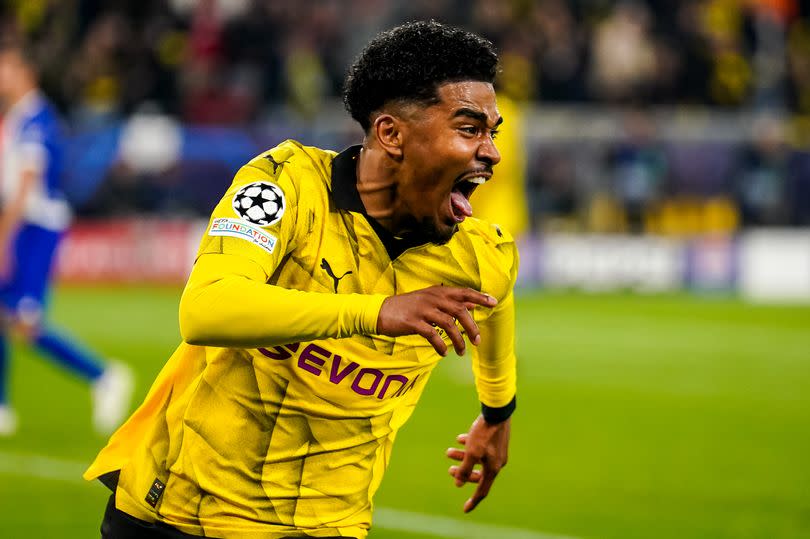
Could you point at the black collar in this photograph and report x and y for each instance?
(346, 197)
(344, 181)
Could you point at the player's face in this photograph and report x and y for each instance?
(448, 150)
(6, 74)
(10, 71)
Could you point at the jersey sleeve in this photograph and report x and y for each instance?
(494, 361)
(30, 148)
(228, 301)
(257, 217)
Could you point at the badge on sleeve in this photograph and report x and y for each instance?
(260, 203)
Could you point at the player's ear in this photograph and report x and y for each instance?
(388, 130)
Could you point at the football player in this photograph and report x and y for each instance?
(326, 289)
(33, 218)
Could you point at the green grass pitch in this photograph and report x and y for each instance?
(659, 417)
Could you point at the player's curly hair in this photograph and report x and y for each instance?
(410, 62)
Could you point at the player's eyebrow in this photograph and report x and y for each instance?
(476, 115)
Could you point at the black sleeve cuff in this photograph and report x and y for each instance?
(493, 416)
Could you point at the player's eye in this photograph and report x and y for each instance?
(493, 134)
(469, 130)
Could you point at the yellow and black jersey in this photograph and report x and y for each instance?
(279, 421)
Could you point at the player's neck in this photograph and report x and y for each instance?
(376, 185)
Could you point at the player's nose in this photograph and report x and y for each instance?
(488, 152)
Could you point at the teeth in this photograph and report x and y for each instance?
(478, 180)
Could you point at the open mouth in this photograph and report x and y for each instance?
(463, 189)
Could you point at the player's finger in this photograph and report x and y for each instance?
(429, 332)
(466, 320)
(457, 339)
(465, 469)
(462, 438)
(455, 454)
(480, 493)
(473, 296)
(475, 476)
(448, 324)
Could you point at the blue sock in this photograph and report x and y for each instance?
(69, 354)
(4, 381)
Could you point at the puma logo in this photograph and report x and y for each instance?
(275, 163)
(325, 265)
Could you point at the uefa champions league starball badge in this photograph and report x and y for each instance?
(260, 203)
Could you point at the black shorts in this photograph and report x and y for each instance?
(119, 525)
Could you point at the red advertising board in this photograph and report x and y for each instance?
(128, 250)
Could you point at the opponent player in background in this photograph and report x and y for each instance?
(33, 217)
(325, 290)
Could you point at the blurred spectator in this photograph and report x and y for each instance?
(494, 19)
(693, 55)
(96, 77)
(305, 75)
(215, 91)
(727, 30)
(561, 54)
(762, 176)
(623, 53)
(799, 190)
(799, 65)
(553, 201)
(638, 168)
(214, 95)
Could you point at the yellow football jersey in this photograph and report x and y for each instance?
(286, 426)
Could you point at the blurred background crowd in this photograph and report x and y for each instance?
(667, 117)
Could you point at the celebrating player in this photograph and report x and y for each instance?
(326, 289)
(33, 217)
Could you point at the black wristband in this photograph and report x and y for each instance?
(493, 416)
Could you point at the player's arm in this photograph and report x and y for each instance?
(12, 211)
(228, 303)
(494, 366)
(494, 362)
(32, 158)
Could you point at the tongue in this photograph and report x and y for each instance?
(461, 206)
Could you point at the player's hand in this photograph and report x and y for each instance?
(487, 445)
(423, 311)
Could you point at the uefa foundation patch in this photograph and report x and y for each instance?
(236, 228)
